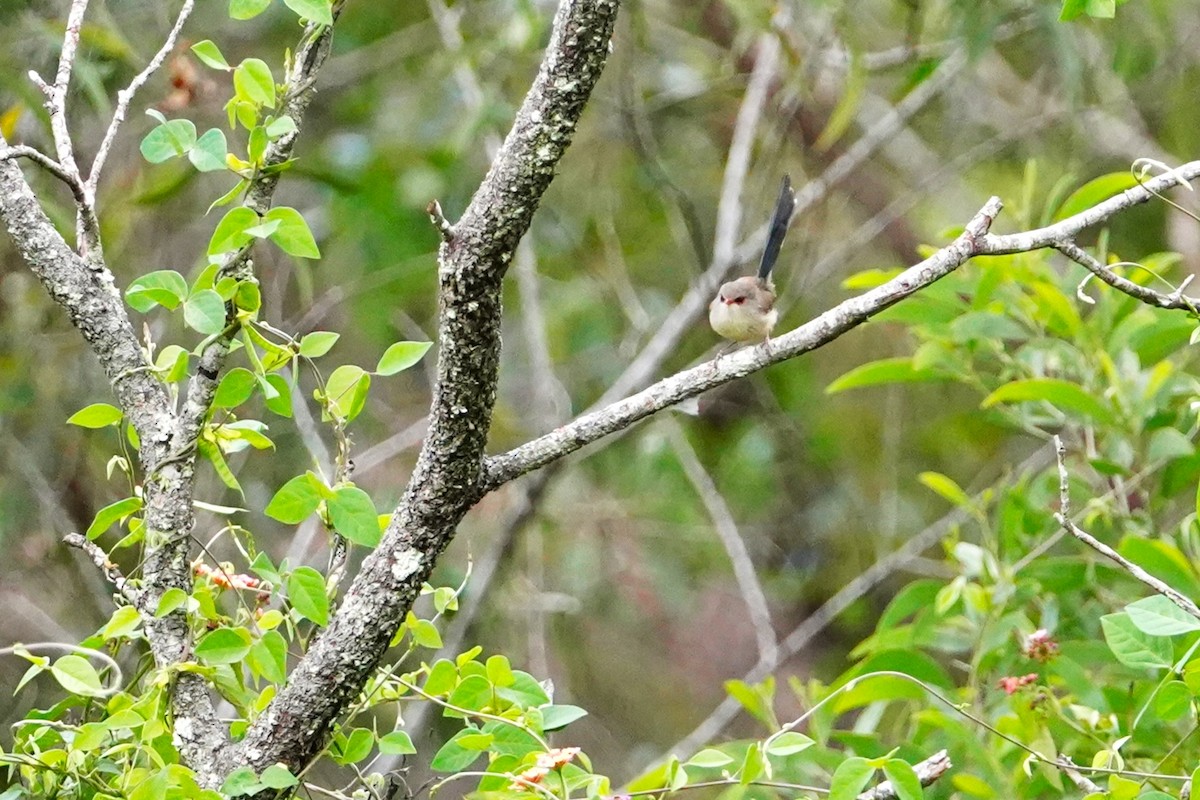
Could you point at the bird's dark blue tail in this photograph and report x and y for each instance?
(779, 225)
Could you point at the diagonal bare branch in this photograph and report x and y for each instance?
(814, 334)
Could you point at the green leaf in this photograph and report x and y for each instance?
(355, 747)
(306, 591)
(252, 80)
(223, 646)
(887, 370)
(112, 514)
(256, 148)
(268, 657)
(1173, 701)
(210, 54)
(396, 743)
(525, 691)
(208, 154)
(277, 394)
(453, 757)
(247, 9)
(318, 343)
(97, 415)
(165, 288)
(171, 599)
(1158, 616)
(278, 776)
(295, 501)
(753, 765)
(788, 743)
(425, 633)
(292, 235)
(946, 487)
(172, 363)
(242, 780)
(1095, 190)
(709, 759)
(229, 196)
(1062, 394)
(499, 671)
(205, 312)
(77, 675)
(1133, 647)
(904, 779)
(354, 516)
(235, 388)
(476, 741)
(346, 391)
(122, 624)
(314, 10)
(168, 140)
(280, 126)
(850, 777)
(230, 233)
(401, 355)
(443, 677)
(213, 453)
(753, 699)
(556, 717)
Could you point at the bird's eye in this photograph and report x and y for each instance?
(737, 301)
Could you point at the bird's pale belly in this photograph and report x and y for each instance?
(739, 323)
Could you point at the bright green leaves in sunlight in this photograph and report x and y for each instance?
(223, 646)
(347, 509)
(284, 226)
(345, 393)
(400, 356)
(306, 592)
(253, 83)
(1098, 9)
(314, 10)
(242, 781)
(166, 288)
(296, 499)
(309, 10)
(96, 415)
(208, 53)
(354, 516)
(177, 137)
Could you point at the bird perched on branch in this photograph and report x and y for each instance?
(744, 309)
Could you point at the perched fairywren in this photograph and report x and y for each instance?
(744, 309)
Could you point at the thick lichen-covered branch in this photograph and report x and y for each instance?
(446, 482)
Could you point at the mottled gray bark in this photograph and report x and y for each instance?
(446, 481)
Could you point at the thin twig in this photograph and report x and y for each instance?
(444, 228)
(47, 163)
(737, 163)
(1064, 519)
(727, 531)
(125, 96)
(110, 570)
(728, 709)
(1175, 300)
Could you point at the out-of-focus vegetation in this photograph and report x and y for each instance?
(617, 587)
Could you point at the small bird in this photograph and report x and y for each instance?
(744, 309)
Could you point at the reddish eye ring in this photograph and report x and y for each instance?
(738, 300)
